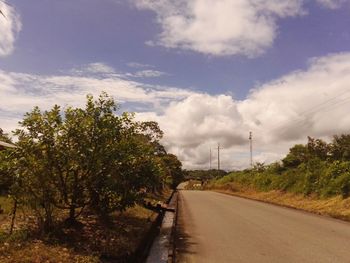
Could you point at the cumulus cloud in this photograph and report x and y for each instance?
(304, 102)
(19, 92)
(313, 102)
(227, 27)
(10, 26)
(280, 113)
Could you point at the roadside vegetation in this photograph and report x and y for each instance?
(203, 175)
(74, 189)
(314, 177)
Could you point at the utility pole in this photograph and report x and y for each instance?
(210, 159)
(218, 156)
(251, 148)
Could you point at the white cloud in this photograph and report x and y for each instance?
(10, 26)
(20, 92)
(138, 65)
(332, 4)
(98, 68)
(148, 73)
(226, 27)
(280, 113)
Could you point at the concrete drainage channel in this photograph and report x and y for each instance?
(162, 250)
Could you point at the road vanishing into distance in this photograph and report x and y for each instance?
(219, 228)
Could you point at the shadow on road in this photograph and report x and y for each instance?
(184, 244)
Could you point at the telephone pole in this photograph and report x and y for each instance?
(210, 159)
(218, 156)
(251, 148)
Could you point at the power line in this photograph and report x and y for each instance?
(327, 108)
(318, 108)
(323, 107)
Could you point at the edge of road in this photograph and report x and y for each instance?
(163, 247)
(172, 240)
(283, 205)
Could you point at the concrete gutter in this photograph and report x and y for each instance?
(162, 250)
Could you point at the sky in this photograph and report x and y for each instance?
(208, 71)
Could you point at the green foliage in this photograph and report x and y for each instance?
(297, 155)
(340, 147)
(174, 171)
(317, 168)
(204, 174)
(5, 155)
(86, 157)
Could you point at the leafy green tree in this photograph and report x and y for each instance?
(174, 170)
(35, 167)
(87, 157)
(318, 148)
(340, 147)
(297, 154)
(4, 137)
(6, 178)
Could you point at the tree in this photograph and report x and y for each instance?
(297, 154)
(318, 148)
(37, 164)
(6, 178)
(340, 147)
(86, 157)
(173, 169)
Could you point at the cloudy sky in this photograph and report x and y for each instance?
(209, 71)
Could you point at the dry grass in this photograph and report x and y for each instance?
(37, 252)
(5, 206)
(93, 241)
(193, 185)
(336, 207)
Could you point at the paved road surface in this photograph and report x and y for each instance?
(219, 228)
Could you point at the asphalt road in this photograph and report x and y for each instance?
(220, 228)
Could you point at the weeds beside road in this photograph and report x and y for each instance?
(89, 242)
(336, 206)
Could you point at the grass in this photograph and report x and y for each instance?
(6, 207)
(37, 251)
(6, 204)
(92, 241)
(193, 185)
(336, 206)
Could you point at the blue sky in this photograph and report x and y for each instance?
(160, 58)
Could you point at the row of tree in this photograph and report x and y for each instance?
(317, 168)
(203, 175)
(85, 158)
(337, 150)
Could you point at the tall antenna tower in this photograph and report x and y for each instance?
(251, 148)
(218, 156)
(210, 159)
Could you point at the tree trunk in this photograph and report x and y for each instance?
(14, 211)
